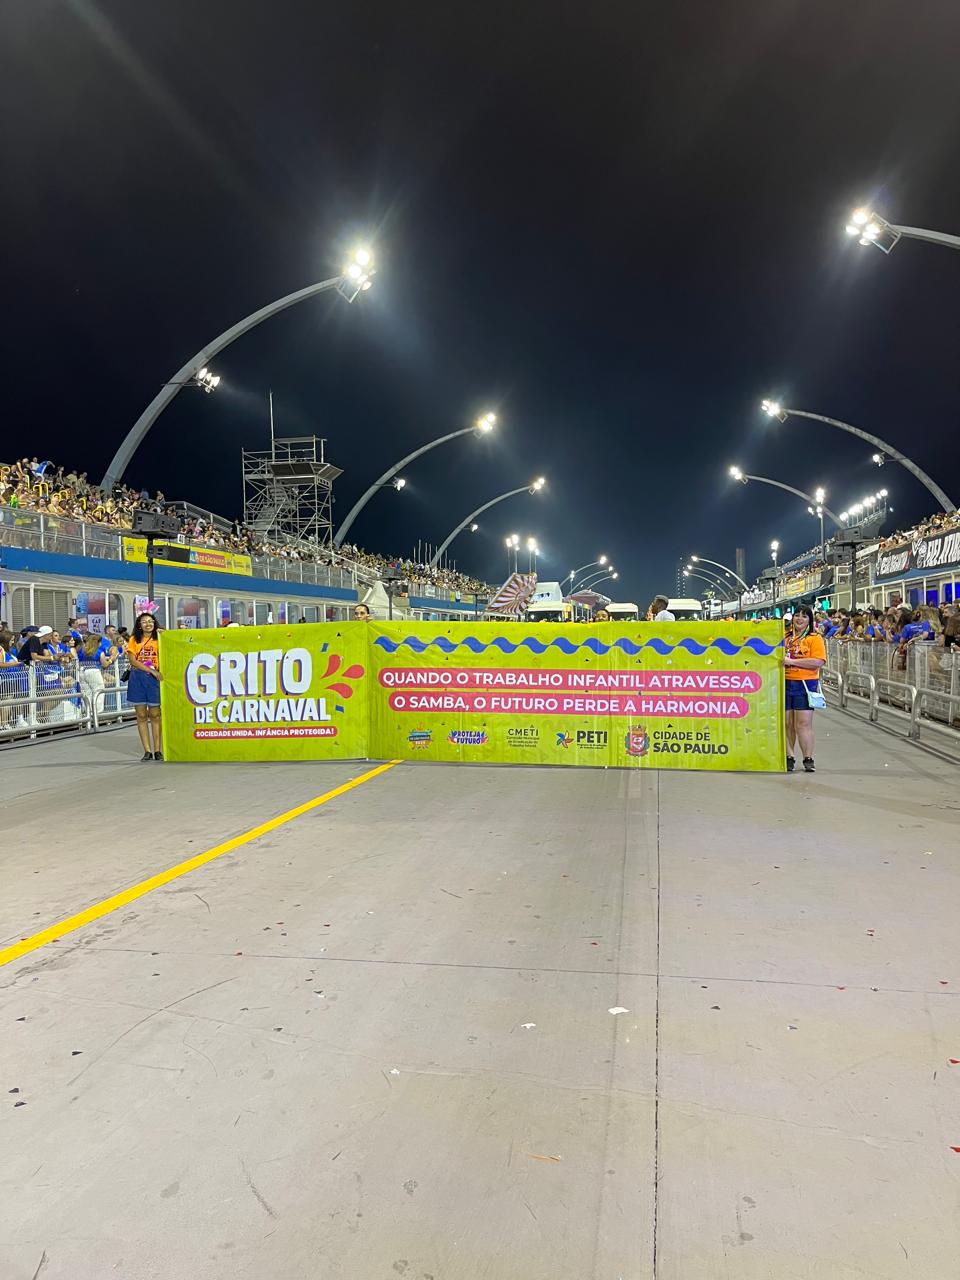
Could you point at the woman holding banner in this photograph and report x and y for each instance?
(804, 655)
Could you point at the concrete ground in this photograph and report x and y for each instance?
(377, 1042)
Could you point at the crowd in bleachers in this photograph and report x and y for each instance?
(36, 485)
(941, 522)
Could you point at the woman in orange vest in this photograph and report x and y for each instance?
(143, 688)
(804, 655)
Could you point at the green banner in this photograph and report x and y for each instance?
(266, 693)
(662, 695)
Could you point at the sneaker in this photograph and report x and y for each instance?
(808, 764)
(147, 755)
(158, 755)
(791, 764)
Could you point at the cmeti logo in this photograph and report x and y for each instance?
(637, 741)
(564, 739)
(525, 736)
(467, 737)
(419, 738)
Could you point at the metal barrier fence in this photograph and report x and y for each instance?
(40, 698)
(921, 679)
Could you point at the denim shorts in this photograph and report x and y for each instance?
(795, 692)
(143, 690)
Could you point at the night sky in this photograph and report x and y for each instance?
(617, 226)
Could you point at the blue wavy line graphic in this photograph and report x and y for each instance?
(568, 647)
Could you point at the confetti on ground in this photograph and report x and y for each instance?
(870, 933)
(394, 1071)
(954, 1062)
(944, 982)
(618, 1008)
(528, 1026)
(557, 1159)
(957, 1149)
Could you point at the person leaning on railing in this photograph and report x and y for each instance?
(97, 657)
(8, 685)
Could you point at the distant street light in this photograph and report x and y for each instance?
(481, 427)
(773, 409)
(609, 577)
(867, 504)
(869, 228)
(774, 548)
(535, 486)
(513, 542)
(818, 512)
(574, 573)
(532, 552)
(592, 577)
(355, 278)
(743, 477)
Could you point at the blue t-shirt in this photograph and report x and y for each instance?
(913, 629)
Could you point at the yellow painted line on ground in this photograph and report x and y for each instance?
(72, 923)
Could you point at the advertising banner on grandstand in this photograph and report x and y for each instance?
(659, 695)
(662, 695)
(940, 552)
(265, 693)
(186, 557)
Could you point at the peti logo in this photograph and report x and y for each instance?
(592, 739)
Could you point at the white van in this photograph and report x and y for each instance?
(622, 612)
(686, 610)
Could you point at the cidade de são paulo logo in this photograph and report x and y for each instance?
(265, 693)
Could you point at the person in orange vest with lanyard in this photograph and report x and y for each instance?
(143, 688)
(804, 655)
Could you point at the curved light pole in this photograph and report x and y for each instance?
(710, 575)
(481, 427)
(773, 409)
(594, 582)
(354, 279)
(742, 476)
(705, 560)
(534, 487)
(869, 228)
(589, 565)
(591, 578)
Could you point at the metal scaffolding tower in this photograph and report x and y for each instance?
(288, 489)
